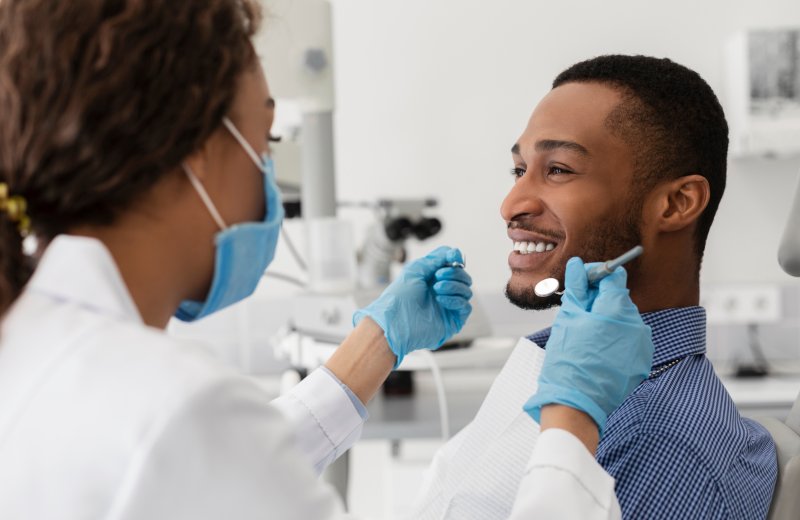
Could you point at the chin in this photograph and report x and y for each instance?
(525, 298)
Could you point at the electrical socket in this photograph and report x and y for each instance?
(742, 303)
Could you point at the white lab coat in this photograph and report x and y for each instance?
(103, 417)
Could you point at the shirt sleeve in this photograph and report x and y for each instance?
(357, 404)
(325, 421)
(225, 453)
(563, 480)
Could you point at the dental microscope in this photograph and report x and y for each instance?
(397, 220)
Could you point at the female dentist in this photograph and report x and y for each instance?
(133, 146)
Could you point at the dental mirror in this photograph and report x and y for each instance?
(547, 287)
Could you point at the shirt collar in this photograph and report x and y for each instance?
(80, 270)
(677, 333)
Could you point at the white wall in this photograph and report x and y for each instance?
(431, 94)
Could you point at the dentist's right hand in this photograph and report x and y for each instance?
(599, 348)
(426, 305)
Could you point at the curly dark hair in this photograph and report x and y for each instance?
(672, 120)
(102, 98)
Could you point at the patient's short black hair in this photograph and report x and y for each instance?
(670, 117)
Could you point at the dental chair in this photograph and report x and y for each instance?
(789, 250)
(786, 500)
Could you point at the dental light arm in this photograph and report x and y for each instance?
(789, 251)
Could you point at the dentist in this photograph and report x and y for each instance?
(134, 148)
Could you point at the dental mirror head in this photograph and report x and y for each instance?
(546, 287)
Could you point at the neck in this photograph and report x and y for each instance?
(666, 281)
(652, 298)
(163, 246)
(150, 261)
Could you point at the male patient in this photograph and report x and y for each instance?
(624, 150)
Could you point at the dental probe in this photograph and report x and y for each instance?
(605, 269)
(550, 286)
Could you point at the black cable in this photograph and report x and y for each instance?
(760, 366)
(755, 345)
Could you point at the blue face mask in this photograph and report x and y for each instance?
(243, 251)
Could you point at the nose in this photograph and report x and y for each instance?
(523, 199)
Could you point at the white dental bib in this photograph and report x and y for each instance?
(477, 473)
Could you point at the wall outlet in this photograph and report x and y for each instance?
(742, 304)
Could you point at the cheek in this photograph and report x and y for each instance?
(574, 210)
(580, 212)
(246, 195)
(256, 199)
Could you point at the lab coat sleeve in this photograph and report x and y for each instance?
(225, 453)
(325, 420)
(563, 480)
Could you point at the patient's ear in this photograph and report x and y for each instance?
(680, 202)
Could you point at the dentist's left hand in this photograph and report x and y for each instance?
(426, 305)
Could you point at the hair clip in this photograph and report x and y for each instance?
(16, 207)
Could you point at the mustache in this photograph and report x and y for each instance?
(527, 226)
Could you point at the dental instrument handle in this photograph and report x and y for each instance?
(601, 271)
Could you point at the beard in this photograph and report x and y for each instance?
(607, 240)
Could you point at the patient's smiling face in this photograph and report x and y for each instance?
(572, 190)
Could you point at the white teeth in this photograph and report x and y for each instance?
(525, 248)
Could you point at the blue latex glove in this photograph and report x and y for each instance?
(599, 348)
(425, 305)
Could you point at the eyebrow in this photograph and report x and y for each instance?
(270, 102)
(547, 145)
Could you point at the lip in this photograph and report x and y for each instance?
(529, 262)
(520, 235)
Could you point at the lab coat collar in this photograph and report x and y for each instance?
(677, 333)
(81, 271)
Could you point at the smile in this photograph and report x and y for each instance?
(526, 248)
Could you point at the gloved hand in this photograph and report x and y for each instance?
(425, 305)
(599, 348)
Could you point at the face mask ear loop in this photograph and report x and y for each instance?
(242, 141)
(198, 187)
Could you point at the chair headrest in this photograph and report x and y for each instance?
(789, 251)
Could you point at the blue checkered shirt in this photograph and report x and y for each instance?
(677, 446)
